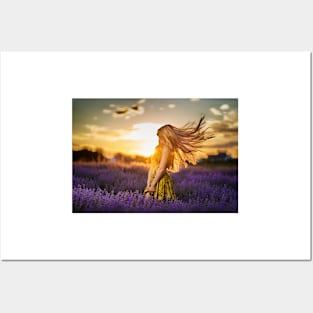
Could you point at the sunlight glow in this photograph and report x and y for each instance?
(147, 148)
(145, 133)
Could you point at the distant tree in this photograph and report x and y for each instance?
(100, 156)
(87, 156)
(99, 150)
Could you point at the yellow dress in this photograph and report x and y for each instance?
(164, 189)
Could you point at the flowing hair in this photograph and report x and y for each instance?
(184, 142)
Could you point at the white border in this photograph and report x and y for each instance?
(273, 89)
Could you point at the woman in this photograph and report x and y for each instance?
(175, 150)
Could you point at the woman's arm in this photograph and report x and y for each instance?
(162, 167)
(149, 176)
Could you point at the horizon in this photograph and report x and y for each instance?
(112, 154)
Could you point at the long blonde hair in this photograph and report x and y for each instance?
(184, 142)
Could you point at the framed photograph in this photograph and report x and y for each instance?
(119, 146)
(183, 155)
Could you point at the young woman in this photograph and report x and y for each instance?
(176, 149)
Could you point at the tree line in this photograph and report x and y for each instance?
(86, 155)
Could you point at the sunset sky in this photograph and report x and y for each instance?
(130, 125)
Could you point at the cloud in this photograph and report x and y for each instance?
(231, 116)
(128, 112)
(230, 135)
(101, 131)
(215, 111)
(140, 139)
(112, 105)
(224, 107)
(172, 105)
(141, 101)
(138, 131)
(106, 111)
(95, 128)
(229, 144)
(81, 136)
(121, 110)
(142, 131)
(223, 127)
(161, 108)
(95, 117)
(194, 99)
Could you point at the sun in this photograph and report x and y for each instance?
(147, 148)
(146, 134)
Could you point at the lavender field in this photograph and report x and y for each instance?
(112, 187)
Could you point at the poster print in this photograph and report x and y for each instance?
(155, 155)
(108, 97)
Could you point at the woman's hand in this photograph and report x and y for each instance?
(150, 189)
